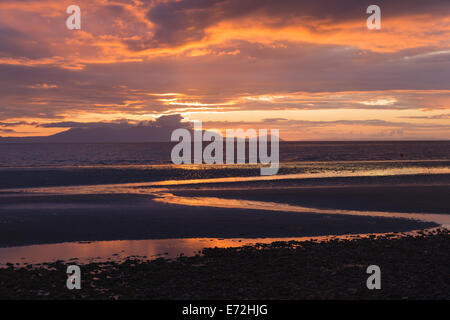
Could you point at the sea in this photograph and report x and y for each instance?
(113, 154)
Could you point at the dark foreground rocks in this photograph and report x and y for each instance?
(412, 267)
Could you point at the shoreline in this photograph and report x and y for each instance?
(412, 266)
(85, 252)
(180, 217)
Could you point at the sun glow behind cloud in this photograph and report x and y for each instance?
(311, 68)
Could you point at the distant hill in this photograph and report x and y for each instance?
(96, 135)
(101, 135)
(158, 130)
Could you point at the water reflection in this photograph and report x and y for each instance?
(441, 219)
(312, 175)
(101, 251)
(170, 248)
(157, 186)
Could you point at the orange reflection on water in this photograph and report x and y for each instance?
(170, 248)
(103, 251)
(132, 187)
(309, 175)
(441, 219)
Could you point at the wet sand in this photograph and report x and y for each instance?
(148, 211)
(32, 219)
(399, 198)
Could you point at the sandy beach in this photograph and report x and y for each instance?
(199, 225)
(49, 218)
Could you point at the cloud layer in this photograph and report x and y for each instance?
(140, 59)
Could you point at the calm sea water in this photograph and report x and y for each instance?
(48, 165)
(101, 154)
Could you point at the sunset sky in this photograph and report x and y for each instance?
(309, 68)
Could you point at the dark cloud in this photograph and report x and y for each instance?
(15, 124)
(434, 117)
(16, 43)
(312, 123)
(159, 130)
(274, 119)
(186, 20)
(169, 121)
(71, 124)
